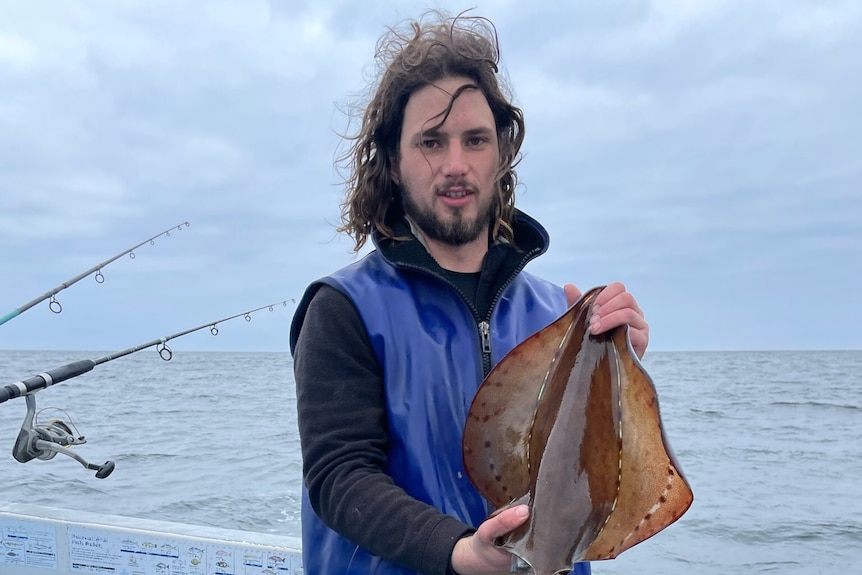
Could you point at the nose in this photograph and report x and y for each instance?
(455, 162)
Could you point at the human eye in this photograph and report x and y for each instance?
(429, 143)
(478, 138)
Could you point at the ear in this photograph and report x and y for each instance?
(394, 172)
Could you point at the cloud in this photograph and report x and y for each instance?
(694, 150)
(15, 53)
(821, 23)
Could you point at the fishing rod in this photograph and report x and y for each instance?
(55, 306)
(44, 441)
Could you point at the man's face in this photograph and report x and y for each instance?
(448, 174)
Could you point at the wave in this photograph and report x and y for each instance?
(817, 404)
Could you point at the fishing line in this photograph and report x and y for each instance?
(166, 353)
(54, 304)
(59, 425)
(44, 441)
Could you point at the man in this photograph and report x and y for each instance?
(389, 351)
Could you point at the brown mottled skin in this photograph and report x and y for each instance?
(568, 423)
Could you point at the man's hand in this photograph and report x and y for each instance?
(614, 306)
(477, 554)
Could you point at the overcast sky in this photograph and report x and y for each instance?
(708, 154)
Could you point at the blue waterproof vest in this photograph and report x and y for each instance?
(429, 345)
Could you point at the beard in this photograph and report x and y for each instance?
(457, 230)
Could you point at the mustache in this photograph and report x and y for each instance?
(456, 183)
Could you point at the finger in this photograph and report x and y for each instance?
(619, 302)
(639, 339)
(605, 319)
(627, 316)
(638, 327)
(502, 523)
(573, 294)
(616, 299)
(610, 291)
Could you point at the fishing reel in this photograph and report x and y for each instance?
(44, 441)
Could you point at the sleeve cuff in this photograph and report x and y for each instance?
(437, 556)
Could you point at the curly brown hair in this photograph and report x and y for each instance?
(433, 47)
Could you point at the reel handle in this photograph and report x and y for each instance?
(46, 441)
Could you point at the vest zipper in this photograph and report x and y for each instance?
(485, 339)
(484, 325)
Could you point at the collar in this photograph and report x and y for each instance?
(502, 262)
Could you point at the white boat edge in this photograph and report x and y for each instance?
(36, 540)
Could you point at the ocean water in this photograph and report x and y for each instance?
(770, 441)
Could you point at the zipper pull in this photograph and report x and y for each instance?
(485, 336)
